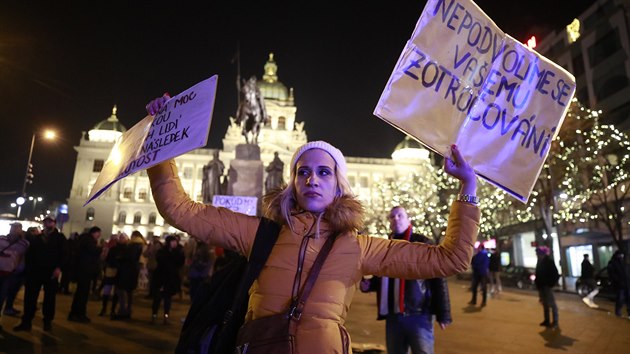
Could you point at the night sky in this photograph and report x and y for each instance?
(64, 67)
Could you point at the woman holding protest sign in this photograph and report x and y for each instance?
(316, 205)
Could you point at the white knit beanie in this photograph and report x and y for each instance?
(331, 150)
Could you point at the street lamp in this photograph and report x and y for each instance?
(28, 175)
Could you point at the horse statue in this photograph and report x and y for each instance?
(251, 113)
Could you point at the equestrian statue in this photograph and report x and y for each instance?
(251, 113)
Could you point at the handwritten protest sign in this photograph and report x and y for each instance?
(461, 80)
(180, 126)
(245, 205)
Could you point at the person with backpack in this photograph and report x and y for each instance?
(315, 209)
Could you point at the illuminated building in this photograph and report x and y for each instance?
(128, 205)
(595, 47)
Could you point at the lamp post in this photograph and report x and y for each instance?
(28, 175)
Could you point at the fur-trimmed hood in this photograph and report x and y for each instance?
(344, 214)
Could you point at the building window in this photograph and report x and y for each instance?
(98, 165)
(582, 96)
(578, 65)
(188, 171)
(608, 86)
(142, 194)
(282, 123)
(556, 49)
(152, 218)
(89, 214)
(352, 180)
(599, 14)
(127, 193)
(137, 218)
(363, 181)
(604, 47)
(122, 217)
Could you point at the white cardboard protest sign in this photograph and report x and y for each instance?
(180, 126)
(461, 80)
(239, 204)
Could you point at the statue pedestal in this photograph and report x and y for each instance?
(246, 173)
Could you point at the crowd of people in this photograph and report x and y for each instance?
(110, 269)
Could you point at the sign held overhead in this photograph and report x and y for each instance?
(461, 80)
(180, 126)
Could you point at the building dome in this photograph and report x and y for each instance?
(409, 149)
(107, 130)
(269, 86)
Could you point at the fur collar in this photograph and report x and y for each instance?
(344, 214)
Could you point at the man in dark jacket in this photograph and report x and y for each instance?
(588, 278)
(44, 258)
(408, 305)
(620, 277)
(480, 266)
(546, 278)
(86, 265)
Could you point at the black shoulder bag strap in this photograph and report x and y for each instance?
(265, 239)
(297, 305)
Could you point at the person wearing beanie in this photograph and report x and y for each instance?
(316, 204)
(546, 279)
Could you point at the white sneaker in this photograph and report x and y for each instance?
(590, 303)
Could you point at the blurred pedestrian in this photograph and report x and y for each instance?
(86, 267)
(408, 305)
(495, 272)
(546, 279)
(127, 257)
(588, 278)
(480, 263)
(44, 258)
(200, 267)
(13, 246)
(150, 254)
(67, 267)
(618, 272)
(170, 259)
(110, 275)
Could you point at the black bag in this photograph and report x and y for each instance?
(219, 307)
